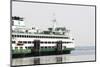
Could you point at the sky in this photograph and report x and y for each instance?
(79, 19)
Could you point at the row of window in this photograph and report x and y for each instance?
(40, 47)
(30, 36)
(42, 42)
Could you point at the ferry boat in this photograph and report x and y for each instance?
(36, 42)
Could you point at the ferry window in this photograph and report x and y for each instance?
(34, 36)
(24, 41)
(62, 37)
(27, 36)
(21, 47)
(19, 41)
(64, 46)
(16, 47)
(49, 46)
(66, 42)
(41, 42)
(32, 42)
(45, 42)
(49, 42)
(56, 37)
(45, 37)
(19, 44)
(52, 46)
(63, 42)
(29, 47)
(51, 37)
(53, 42)
(67, 37)
(12, 35)
(29, 42)
(45, 46)
(41, 37)
(31, 36)
(38, 36)
(26, 47)
(21, 35)
(13, 42)
(41, 47)
(17, 35)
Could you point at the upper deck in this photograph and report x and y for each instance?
(30, 35)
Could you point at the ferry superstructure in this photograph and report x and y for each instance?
(36, 42)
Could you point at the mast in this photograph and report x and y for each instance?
(54, 21)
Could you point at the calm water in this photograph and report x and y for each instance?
(79, 54)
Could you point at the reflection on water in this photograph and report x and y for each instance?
(80, 54)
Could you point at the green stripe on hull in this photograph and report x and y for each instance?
(19, 51)
(69, 49)
(47, 49)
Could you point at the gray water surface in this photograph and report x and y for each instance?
(79, 54)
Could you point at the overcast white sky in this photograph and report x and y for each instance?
(80, 19)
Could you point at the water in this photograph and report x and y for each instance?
(79, 54)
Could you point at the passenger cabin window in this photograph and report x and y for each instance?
(19, 41)
(13, 42)
(27, 36)
(24, 41)
(21, 47)
(29, 42)
(16, 48)
(19, 44)
(26, 47)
